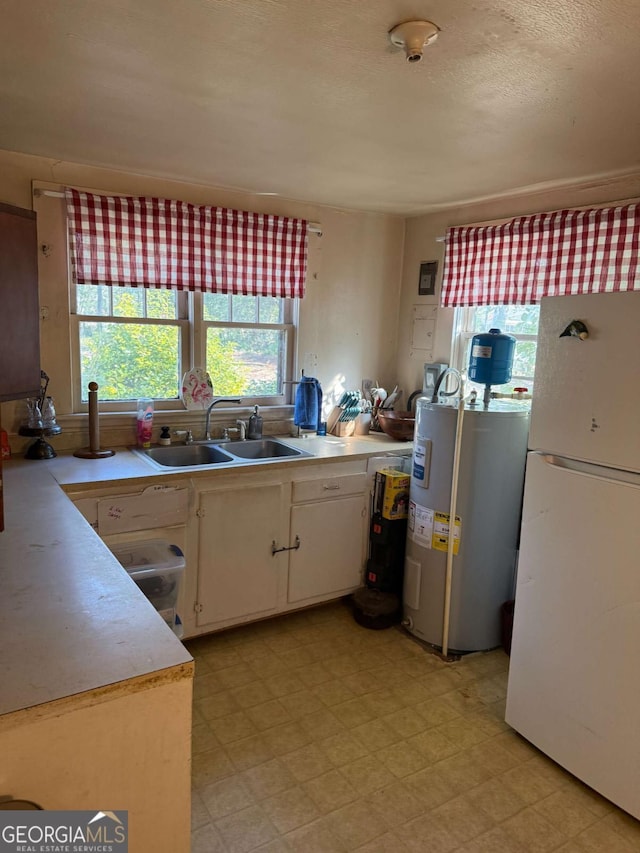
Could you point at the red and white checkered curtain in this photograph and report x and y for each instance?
(548, 254)
(162, 243)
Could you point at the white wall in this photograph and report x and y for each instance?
(421, 245)
(348, 318)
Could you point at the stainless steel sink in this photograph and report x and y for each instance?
(208, 454)
(183, 455)
(263, 448)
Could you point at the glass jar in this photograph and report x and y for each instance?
(48, 413)
(34, 415)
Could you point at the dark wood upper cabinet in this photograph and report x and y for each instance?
(19, 313)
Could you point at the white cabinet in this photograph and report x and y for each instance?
(329, 560)
(273, 542)
(329, 518)
(155, 511)
(230, 524)
(238, 574)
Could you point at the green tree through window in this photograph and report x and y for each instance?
(131, 344)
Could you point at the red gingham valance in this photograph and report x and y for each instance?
(155, 242)
(549, 254)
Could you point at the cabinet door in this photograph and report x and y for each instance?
(332, 547)
(238, 575)
(19, 320)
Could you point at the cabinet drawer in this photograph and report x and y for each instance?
(328, 487)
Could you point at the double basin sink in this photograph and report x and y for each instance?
(216, 453)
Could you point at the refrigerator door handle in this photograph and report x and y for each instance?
(590, 469)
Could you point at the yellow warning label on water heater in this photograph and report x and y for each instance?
(430, 528)
(440, 535)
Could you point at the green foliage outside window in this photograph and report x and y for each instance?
(130, 360)
(134, 359)
(228, 375)
(256, 360)
(511, 319)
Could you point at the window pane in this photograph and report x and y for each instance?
(487, 317)
(215, 307)
(130, 360)
(522, 319)
(524, 361)
(161, 304)
(512, 319)
(128, 302)
(245, 362)
(270, 309)
(244, 309)
(93, 299)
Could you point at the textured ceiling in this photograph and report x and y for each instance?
(308, 100)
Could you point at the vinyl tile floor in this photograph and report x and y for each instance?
(311, 733)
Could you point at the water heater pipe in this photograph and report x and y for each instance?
(514, 395)
(452, 526)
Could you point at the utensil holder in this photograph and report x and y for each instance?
(362, 424)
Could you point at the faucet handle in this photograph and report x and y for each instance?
(187, 433)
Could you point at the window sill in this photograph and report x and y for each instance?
(175, 416)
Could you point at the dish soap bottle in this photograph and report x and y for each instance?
(165, 436)
(144, 421)
(255, 425)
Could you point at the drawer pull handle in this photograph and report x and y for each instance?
(275, 550)
(331, 487)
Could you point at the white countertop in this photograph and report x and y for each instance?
(72, 619)
(125, 465)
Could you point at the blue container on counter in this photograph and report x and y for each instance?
(491, 358)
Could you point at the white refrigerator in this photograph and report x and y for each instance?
(574, 677)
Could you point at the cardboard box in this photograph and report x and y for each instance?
(392, 493)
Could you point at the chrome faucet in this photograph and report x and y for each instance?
(207, 436)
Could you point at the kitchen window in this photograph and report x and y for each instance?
(131, 341)
(496, 274)
(138, 342)
(161, 285)
(521, 321)
(248, 344)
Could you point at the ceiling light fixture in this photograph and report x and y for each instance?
(413, 37)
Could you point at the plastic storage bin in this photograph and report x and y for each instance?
(157, 568)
